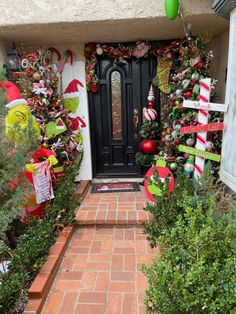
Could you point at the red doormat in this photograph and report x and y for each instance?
(115, 187)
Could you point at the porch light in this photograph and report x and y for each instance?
(13, 63)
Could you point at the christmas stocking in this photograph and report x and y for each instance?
(163, 71)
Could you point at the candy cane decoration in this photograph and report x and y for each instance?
(205, 93)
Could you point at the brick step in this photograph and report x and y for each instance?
(112, 218)
(111, 209)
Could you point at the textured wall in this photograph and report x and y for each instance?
(219, 45)
(79, 21)
(48, 11)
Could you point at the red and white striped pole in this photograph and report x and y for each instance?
(205, 93)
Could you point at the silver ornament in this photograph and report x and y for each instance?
(190, 141)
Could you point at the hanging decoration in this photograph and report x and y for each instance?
(171, 9)
(161, 80)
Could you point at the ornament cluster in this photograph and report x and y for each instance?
(190, 64)
(40, 84)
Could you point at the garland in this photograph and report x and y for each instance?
(122, 52)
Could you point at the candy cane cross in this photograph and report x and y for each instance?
(205, 93)
(203, 107)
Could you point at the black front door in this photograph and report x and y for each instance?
(116, 115)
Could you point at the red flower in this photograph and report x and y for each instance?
(94, 88)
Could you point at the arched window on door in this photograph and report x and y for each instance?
(116, 105)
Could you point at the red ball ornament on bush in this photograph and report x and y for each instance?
(148, 147)
(188, 94)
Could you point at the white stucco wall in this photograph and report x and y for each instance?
(79, 21)
(44, 11)
(219, 45)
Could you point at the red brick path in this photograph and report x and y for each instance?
(100, 272)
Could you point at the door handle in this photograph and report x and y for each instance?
(136, 119)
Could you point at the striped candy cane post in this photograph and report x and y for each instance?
(205, 93)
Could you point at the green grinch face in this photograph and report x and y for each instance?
(79, 138)
(71, 104)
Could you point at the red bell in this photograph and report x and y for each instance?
(148, 147)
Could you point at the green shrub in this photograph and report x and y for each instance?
(195, 227)
(196, 271)
(10, 291)
(187, 192)
(167, 208)
(33, 246)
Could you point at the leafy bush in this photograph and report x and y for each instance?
(167, 208)
(196, 230)
(149, 130)
(33, 246)
(196, 271)
(144, 160)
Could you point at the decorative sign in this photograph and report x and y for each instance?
(76, 71)
(43, 183)
(199, 153)
(202, 128)
(203, 106)
(209, 106)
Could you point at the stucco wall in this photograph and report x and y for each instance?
(219, 45)
(80, 21)
(44, 11)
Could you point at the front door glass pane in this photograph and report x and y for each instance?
(116, 105)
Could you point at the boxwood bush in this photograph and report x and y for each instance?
(195, 271)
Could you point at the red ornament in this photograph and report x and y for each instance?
(200, 65)
(188, 94)
(176, 141)
(67, 163)
(163, 139)
(148, 147)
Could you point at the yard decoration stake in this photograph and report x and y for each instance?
(203, 127)
(151, 189)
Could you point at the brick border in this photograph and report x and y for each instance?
(42, 283)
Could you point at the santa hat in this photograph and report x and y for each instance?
(13, 95)
(151, 94)
(72, 88)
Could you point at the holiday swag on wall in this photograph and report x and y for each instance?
(181, 66)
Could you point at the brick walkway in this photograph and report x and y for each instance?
(100, 272)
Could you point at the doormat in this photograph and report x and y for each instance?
(115, 187)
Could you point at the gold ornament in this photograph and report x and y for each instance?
(36, 76)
